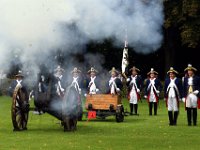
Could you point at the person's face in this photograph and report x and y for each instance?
(190, 73)
(134, 72)
(152, 75)
(19, 78)
(59, 73)
(113, 74)
(172, 75)
(75, 74)
(92, 74)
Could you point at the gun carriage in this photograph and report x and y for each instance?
(66, 107)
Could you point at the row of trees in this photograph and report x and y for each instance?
(182, 31)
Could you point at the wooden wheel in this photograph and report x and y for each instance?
(19, 110)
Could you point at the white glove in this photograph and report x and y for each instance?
(118, 90)
(196, 92)
(85, 94)
(158, 92)
(97, 90)
(138, 90)
(145, 96)
(62, 90)
(29, 99)
(127, 80)
(183, 99)
(110, 83)
(19, 85)
(79, 91)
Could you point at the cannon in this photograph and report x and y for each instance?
(66, 108)
(104, 105)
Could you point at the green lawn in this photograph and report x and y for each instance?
(136, 132)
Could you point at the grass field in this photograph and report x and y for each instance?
(136, 132)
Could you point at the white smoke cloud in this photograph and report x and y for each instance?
(37, 28)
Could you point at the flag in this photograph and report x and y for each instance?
(125, 58)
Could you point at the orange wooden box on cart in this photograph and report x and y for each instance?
(102, 101)
(104, 105)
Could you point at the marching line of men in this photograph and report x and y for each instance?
(175, 89)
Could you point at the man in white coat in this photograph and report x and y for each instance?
(134, 84)
(173, 94)
(191, 88)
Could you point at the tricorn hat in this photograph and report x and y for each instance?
(152, 71)
(92, 70)
(172, 70)
(59, 69)
(189, 67)
(19, 74)
(134, 68)
(114, 70)
(75, 70)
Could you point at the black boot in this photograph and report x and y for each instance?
(194, 116)
(150, 108)
(170, 115)
(155, 109)
(135, 108)
(175, 117)
(189, 116)
(131, 109)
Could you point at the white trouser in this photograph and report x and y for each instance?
(152, 98)
(133, 97)
(191, 101)
(172, 104)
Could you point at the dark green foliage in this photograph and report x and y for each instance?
(185, 16)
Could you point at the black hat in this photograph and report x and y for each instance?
(134, 68)
(92, 70)
(172, 70)
(114, 70)
(19, 74)
(189, 67)
(152, 71)
(76, 70)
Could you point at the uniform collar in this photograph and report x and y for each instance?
(173, 79)
(134, 76)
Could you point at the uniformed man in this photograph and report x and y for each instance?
(152, 90)
(114, 84)
(18, 82)
(60, 84)
(77, 82)
(93, 82)
(173, 94)
(191, 87)
(41, 87)
(134, 84)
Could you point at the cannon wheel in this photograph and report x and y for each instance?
(19, 110)
(69, 124)
(120, 113)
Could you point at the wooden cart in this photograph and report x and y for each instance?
(105, 105)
